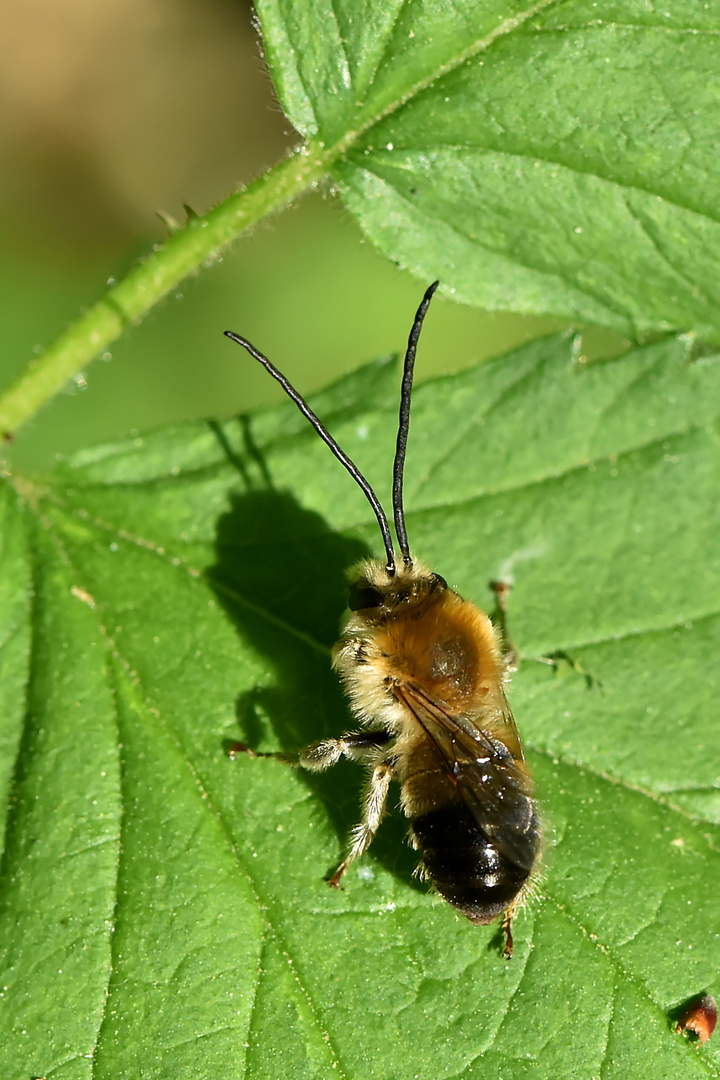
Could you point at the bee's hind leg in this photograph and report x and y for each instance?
(507, 931)
(374, 810)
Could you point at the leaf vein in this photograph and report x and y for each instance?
(347, 75)
(571, 281)
(507, 26)
(206, 801)
(562, 473)
(655, 242)
(65, 558)
(518, 155)
(386, 43)
(613, 24)
(620, 969)
(660, 799)
(611, 1018)
(488, 408)
(194, 573)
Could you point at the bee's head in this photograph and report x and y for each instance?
(375, 592)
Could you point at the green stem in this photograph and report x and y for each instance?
(145, 284)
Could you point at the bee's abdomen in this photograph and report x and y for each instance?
(466, 864)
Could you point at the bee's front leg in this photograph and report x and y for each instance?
(356, 745)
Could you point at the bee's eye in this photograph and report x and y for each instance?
(440, 581)
(364, 596)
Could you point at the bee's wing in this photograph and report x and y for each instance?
(494, 784)
(502, 726)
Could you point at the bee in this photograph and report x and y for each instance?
(425, 672)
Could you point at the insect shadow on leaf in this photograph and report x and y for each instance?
(280, 574)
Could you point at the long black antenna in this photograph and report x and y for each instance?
(328, 439)
(404, 425)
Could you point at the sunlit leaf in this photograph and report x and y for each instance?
(552, 157)
(164, 912)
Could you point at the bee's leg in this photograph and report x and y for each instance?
(509, 918)
(233, 748)
(359, 746)
(320, 755)
(356, 745)
(507, 931)
(510, 655)
(560, 661)
(374, 810)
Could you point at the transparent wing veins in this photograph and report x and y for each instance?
(493, 783)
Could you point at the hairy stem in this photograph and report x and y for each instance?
(127, 301)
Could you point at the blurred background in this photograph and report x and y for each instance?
(114, 114)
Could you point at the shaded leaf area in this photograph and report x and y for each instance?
(548, 157)
(187, 588)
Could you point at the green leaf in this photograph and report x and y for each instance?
(58, 886)
(540, 157)
(164, 912)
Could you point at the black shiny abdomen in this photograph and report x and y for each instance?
(467, 865)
